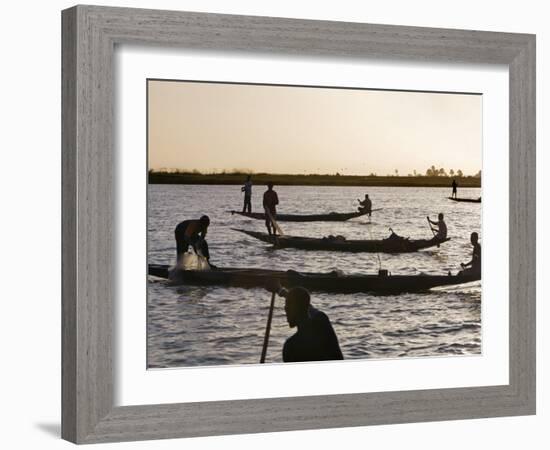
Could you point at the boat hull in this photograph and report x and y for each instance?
(331, 217)
(321, 282)
(465, 200)
(390, 245)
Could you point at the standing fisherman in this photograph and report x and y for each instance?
(247, 189)
(454, 185)
(271, 200)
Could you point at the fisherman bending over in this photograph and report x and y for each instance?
(193, 233)
(365, 205)
(475, 264)
(441, 227)
(271, 200)
(454, 185)
(315, 339)
(247, 189)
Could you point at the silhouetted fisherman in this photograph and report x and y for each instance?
(473, 266)
(247, 189)
(192, 233)
(365, 205)
(271, 200)
(454, 185)
(441, 229)
(315, 339)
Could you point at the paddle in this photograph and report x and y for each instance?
(268, 328)
(430, 225)
(431, 228)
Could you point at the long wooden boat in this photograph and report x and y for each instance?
(320, 282)
(330, 217)
(468, 200)
(393, 244)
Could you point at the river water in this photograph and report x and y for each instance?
(192, 326)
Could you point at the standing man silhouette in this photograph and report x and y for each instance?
(271, 200)
(247, 189)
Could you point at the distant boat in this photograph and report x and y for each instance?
(382, 283)
(330, 217)
(468, 200)
(393, 244)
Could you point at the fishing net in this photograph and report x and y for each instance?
(192, 261)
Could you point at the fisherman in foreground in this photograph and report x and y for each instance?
(315, 339)
(271, 200)
(441, 230)
(192, 233)
(474, 265)
(365, 205)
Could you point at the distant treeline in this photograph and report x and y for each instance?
(195, 177)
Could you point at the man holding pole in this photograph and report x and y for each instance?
(315, 339)
(247, 189)
(271, 200)
(365, 206)
(440, 233)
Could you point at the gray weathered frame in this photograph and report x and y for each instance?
(89, 36)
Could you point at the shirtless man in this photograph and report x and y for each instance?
(315, 339)
(441, 230)
(365, 205)
(474, 265)
(271, 200)
(192, 233)
(247, 189)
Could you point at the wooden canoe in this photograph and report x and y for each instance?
(330, 217)
(393, 244)
(320, 282)
(468, 200)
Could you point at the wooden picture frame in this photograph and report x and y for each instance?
(90, 34)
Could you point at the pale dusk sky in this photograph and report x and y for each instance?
(283, 129)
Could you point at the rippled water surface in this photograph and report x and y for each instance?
(190, 325)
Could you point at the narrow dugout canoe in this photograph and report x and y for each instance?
(393, 244)
(330, 217)
(468, 200)
(321, 282)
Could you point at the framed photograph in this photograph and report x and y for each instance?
(268, 222)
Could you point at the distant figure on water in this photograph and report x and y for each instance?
(454, 185)
(473, 266)
(192, 233)
(247, 189)
(441, 230)
(315, 339)
(271, 200)
(365, 205)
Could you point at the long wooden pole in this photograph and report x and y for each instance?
(268, 328)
